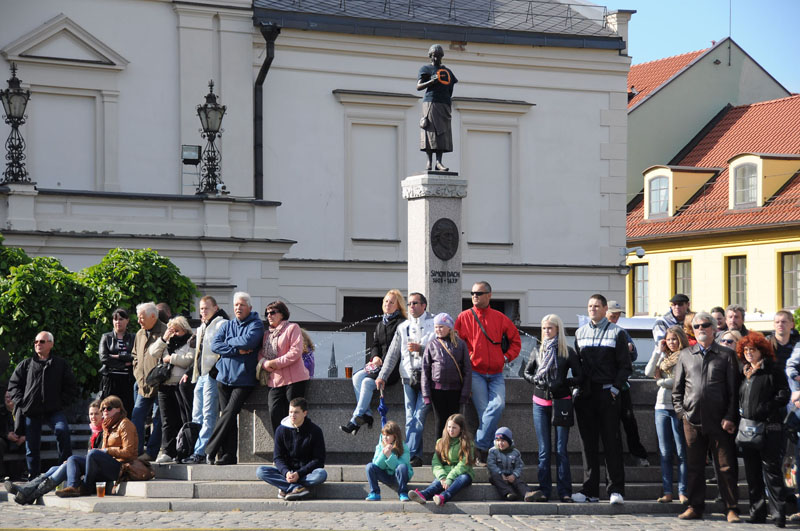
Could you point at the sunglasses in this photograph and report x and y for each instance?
(478, 293)
(272, 312)
(414, 303)
(701, 325)
(727, 341)
(40, 341)
(107, 408)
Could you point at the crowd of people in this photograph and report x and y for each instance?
(722, 391)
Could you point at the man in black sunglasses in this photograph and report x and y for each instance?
(706, 398)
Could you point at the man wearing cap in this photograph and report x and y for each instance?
(482, 328)
(678, 308)
(615, 310)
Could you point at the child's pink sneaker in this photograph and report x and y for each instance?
(438, 499)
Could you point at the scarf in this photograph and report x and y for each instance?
(110, 422)
(750, 369)
(271, 341)
(176, 342)
(389, 316)
(96, 432)
(669, 362)
(547, 365)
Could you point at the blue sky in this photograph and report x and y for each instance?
(765, 29)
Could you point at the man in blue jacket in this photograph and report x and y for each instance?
(237, 342)
(298, 456)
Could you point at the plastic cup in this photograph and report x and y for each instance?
(348, 372)
(101, 489)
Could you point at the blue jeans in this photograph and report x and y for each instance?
(205, 410)
(436, 488)
(542, 418)
(101, 467)
(671, 441)
(363, 387)
(416, 411)
(489, 398)
(273, 476)
(33, 439)
(75, 468)
(139, 415)
(399, 478)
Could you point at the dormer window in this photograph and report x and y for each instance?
(745, 184)
(659, 195)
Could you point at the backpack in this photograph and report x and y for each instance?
(187, 437)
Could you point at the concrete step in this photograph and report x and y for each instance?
(116, 504)
(343, 490)
(246, 472)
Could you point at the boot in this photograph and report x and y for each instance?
(26, 489)
(41, 489)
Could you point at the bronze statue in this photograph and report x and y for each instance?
(437, 81)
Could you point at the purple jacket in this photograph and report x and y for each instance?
(439, 371)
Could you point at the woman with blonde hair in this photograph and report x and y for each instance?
(669, 428)
(394, 313)
(548, 370)
(390, 464)
(173, 348)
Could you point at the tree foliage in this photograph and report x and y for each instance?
(41, 294)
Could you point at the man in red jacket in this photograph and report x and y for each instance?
(483, 328)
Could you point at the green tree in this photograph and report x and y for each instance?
(10, 257)
(44, 295)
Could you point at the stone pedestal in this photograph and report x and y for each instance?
(20, 213)
(435, 238)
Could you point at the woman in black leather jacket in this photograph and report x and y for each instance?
(548, 370)
(116, 349)
(394, 313)
(763, 395)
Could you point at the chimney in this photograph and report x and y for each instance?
(618, 22)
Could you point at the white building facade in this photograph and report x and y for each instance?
(539, 123)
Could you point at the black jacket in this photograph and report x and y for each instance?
(300, 450)
(384, 333)
(108, 346)
(706, 389)
(42, 387)
(784, 352)
(765, 394)
(562, 386)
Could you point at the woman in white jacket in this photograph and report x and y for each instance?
(173, 348)
(669, 428)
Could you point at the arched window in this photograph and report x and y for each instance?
(745, 185)
(659, 195)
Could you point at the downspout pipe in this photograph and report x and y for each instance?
(270, 32)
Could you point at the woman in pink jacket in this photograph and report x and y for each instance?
(280, 362)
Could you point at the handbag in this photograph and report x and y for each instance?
(136, 470)
(751, 434)
(504, 343)
(158, 374)
(372, 371)
(563, 412)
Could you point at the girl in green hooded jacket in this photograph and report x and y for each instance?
(452, 463)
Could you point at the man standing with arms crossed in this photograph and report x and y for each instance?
(482, 328)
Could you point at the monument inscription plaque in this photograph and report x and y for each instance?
(444, 238)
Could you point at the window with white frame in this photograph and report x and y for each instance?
(659, 195)
(790, 270)
(745, 185)
(640, 289)
(737, 280)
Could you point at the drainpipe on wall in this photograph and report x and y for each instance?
(270, 32)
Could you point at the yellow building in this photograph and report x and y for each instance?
(723, 224)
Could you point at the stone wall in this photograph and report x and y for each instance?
(332, 402)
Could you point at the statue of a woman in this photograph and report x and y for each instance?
(437, 81)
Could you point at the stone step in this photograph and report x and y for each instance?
(117, 504)
(247, 472)
(342, 490)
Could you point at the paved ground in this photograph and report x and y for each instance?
(13, 516)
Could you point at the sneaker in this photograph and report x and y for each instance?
(416, 495)
(616, 499)
(404, 497)
(194, 459)
(164, 459)
(373, 496)
(146, 457)
(535, 496)
(416, 461)
(512, 496)
(438, 499)
(297, 493)
(642, 461)
(580, 497)
(281, 494)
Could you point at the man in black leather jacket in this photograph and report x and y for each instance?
(706, 397)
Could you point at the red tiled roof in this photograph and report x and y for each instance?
(647, 77)
(765, 127)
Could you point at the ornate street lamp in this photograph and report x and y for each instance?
(210, 114)
(14, 102)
